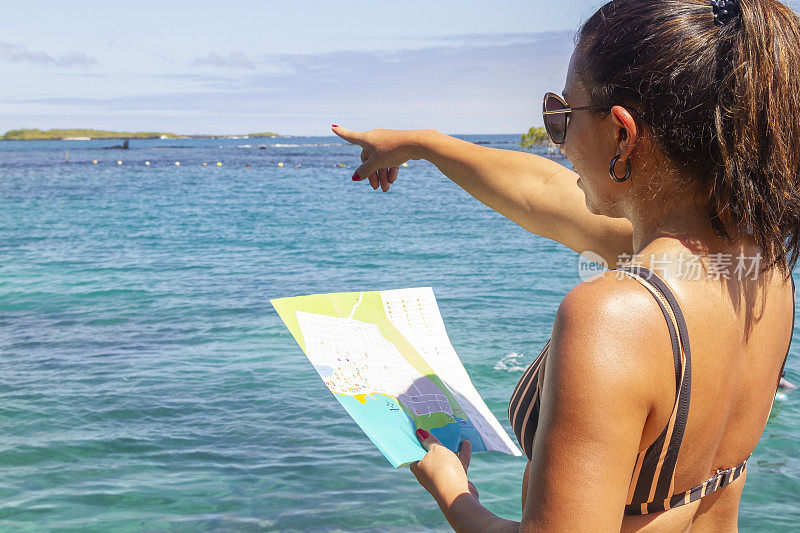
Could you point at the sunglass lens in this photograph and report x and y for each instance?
(556, 125)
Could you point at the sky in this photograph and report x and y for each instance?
(295, 68)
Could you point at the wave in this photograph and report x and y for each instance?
(512, 362)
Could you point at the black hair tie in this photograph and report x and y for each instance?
(724, 10)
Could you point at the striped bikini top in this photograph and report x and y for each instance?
(652, 482)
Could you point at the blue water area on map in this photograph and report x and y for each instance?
(387, 425)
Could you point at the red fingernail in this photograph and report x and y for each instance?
(356, 177)
(334, 126)
(422, 434)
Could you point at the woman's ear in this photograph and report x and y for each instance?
(627, 132)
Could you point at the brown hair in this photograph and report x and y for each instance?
(723, 102)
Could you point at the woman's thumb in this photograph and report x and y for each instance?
(426, 438)
(465, 453)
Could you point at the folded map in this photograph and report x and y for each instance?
(386, 357)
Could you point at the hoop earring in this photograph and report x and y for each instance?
(613, 174)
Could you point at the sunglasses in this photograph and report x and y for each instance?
(555, 113)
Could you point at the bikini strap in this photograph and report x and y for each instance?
(720, 479)
(791, 335)
(653, 477)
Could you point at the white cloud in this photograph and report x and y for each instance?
(16, 53)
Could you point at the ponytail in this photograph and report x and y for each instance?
(722, 100)
(758, 130)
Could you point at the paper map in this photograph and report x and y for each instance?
(386, 357)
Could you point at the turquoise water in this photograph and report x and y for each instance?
(146, 383)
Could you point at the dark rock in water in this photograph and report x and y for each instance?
(123, 146)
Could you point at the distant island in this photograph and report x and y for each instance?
(79, 134)
(82, 134)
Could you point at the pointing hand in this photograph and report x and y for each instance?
(382, 153)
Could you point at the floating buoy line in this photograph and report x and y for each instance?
(119, 162)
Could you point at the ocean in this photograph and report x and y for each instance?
(147, 384)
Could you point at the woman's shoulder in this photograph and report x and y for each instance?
(611, 302)
(612, 330)
(606, 288)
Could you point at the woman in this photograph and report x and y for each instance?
(683, 133)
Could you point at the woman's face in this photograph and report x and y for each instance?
(591, 143)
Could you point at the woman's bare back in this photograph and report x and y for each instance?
(739, 331)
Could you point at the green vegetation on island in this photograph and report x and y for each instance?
(75, 133)
(535, 137)
(80, 134)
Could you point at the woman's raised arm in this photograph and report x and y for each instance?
(540, 195)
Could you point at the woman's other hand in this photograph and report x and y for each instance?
(441, 472)
(382, 153)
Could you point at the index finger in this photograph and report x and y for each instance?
(353, 137)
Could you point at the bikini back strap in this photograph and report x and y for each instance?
(720, 479)
(653, 477)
